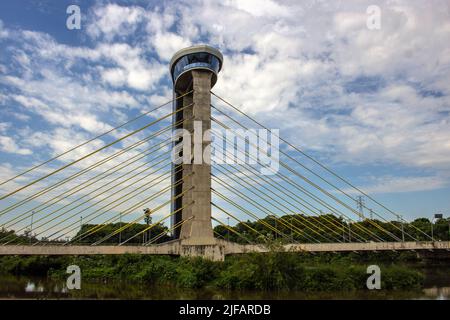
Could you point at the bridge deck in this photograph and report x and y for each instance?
(177, 248)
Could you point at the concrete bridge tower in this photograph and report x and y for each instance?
(194, 69)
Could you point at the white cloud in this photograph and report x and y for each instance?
(3, 32)
(391, 184)
(260, 8)
(167, 43)
(114, 20)
(281, 58)
(7, 144)
(138, 73)
(114, 76)
(301, 58)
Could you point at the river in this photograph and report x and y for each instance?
(437, 286)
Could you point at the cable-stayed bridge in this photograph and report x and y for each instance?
(140, 188)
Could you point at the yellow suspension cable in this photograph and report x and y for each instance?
(162, 191)
(141, 217)
(114, 218)
(108, 204)
(95, 138)
(239, 221)
(289, 226)
(88, 200)
(101, 200)
(315, 174)
(310, 194)
(160, 235)
(79, 173)
(156, 223)
(262, 221)
(90, 154)
(290, 203)
(87, 194)
(273, 199)
(324, 167)
(230, 229)
(303, 200)
(286, 179)
(88, 183)
(299, 200)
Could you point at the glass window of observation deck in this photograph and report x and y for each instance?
(193, 60)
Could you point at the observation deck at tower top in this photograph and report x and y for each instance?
(196, 57)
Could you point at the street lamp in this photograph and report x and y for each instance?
(349, 231)
(228, 229)
(81, 226)
(31, 225)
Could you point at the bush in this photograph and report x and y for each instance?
(270, 271)
(401, 278)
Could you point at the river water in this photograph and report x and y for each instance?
(12, 287)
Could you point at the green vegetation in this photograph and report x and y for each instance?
(272, 271)
(136, 231)
(328, 227)
(91, 233)
(301, 228)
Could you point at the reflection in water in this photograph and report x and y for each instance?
(442, 293)
(31, 287)
(42, 288)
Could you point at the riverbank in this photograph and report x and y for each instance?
(262, 272)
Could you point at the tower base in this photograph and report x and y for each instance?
(213, 251)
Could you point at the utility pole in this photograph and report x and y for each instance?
(120, 227)
(31, 226)
(292, 225)
(276, 228)
(448, 220)
(360, 206)
(400, 220)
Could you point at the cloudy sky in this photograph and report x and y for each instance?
(373, 104)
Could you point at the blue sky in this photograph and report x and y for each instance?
(374, 105)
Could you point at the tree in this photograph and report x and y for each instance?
(148, 218)
(148, 222)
